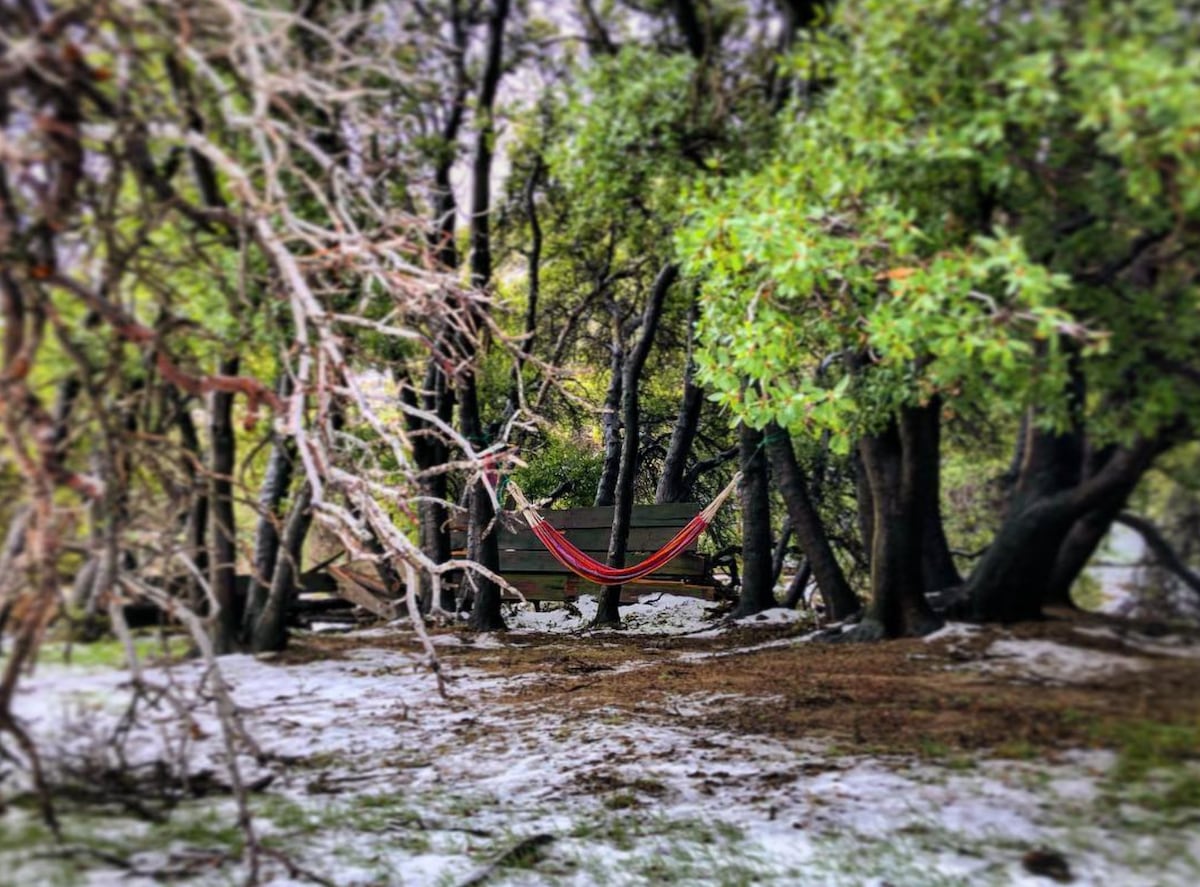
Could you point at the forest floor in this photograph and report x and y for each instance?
(681, 750)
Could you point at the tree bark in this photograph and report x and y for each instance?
(269, 633)
(1164, 554)
(840, 600)
(1013, 579)
(223, 567)
(277, 480)
(610, 419)
(671, 486)
(938, 571)
(758, 592)
(481, 537)
(898, 607)
(608, 612)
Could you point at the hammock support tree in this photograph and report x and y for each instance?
(587, 567)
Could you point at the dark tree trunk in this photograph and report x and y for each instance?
(481, 537)
(610, 420)
(898, 607)
(794, 595)
(671, 486)
(758, 592)
(865, 503)
(277, 480)
(840, 600)
(781, 550)
(1013, 578)
(196, 544)
(1165, 556)
(534, 265)
(269, 632)
(223, 568)
(692, 28)
(938, 571)
(609, 612)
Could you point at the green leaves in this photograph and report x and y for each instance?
(954, 211)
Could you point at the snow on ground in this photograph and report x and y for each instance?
(379, 780)
(1052, 662)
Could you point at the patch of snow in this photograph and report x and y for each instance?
(658, 614)
(1051, 661)
(630, 798)
(953, 631)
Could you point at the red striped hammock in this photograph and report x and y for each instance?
(592, 570)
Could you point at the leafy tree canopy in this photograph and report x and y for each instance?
(963, 217)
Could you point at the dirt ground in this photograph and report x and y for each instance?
(930, 697)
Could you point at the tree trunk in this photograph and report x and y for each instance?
(840, 600)
(758, 591)
(610, 420)
(609, 612)
(223, 567)
(865, 503)
(671, 486)
(269, 632)
(938, 571)
(898, 607)
(1014, 577)
(481, 537)
(277, 480)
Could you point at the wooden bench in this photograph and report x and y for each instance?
(531, 569)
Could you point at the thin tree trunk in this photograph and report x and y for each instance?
(758, 592)
(276, 481)
(608, 612)
(794, 595)
(481, 537)
(269, 633)
(223, 568)
(781, 549)
(864, 500)
(610, 420)
(840, 600)
(1165, 556)
(671, 486)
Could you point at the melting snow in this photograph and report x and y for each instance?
(629, 798)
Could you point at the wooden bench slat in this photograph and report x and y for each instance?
(686, 564)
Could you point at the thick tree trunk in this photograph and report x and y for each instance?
(758, 591)
(937, 564)
(898, 607)
(1013, 579)
(840, 600)
(671, 486)
(609, 612)
(269, 632)
(223, 567)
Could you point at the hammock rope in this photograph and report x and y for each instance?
(586, 567)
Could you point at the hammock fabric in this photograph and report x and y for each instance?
(592, 570)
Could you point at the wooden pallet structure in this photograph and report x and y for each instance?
(532, 570)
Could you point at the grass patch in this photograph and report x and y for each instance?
(1156, 764)
(110, 652)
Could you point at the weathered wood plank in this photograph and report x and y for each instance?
(355, 588)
